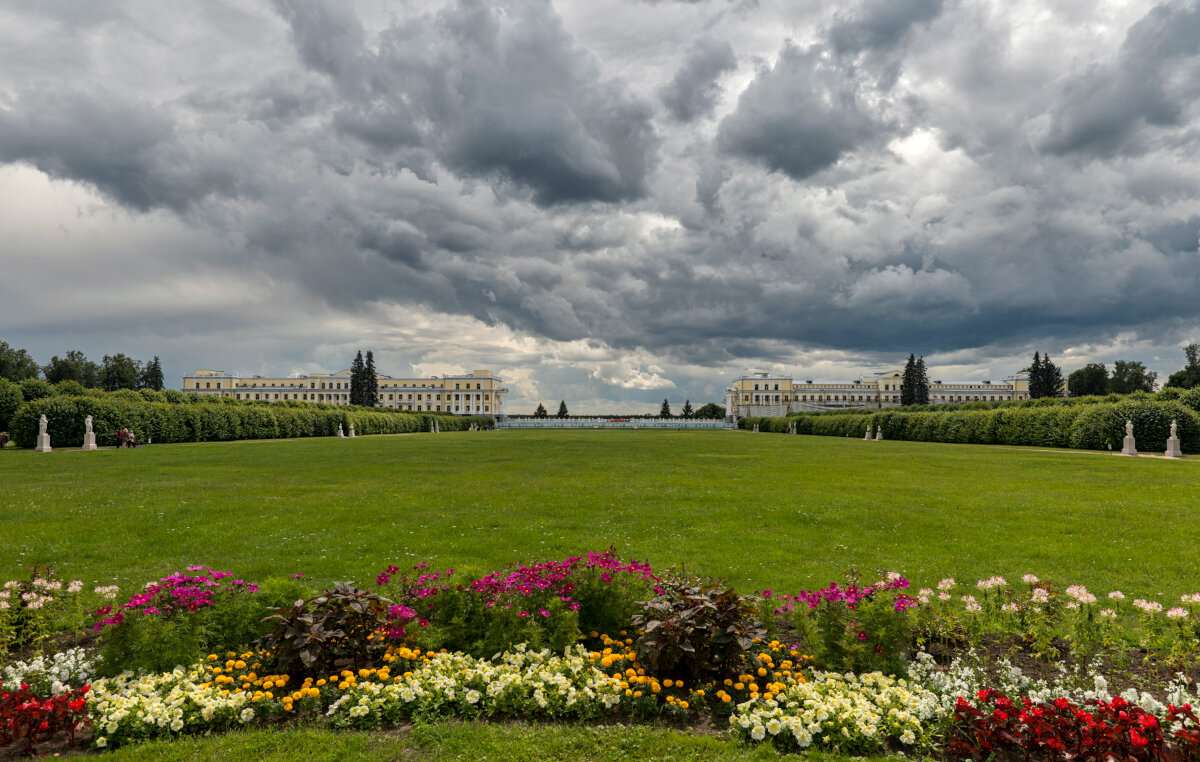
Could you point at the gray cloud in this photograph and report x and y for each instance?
(880, 24)
(693, 91)
(800, 116)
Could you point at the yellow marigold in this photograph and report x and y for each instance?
(767, 697)
(637, 694)
(239, 664)
(667, 683)
(738, 686)
(269, 695)
(216, 670)
(728, 682)
(754, 686)
(212, 657)
(726, 698)
(287, 706)
(628, 692)
(321, 682)
(762, 671)
(365, 672)
(683, 704)
(655, 687)
(269, 684)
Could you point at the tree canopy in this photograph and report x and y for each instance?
(1091, 379)
(541, 411)
(1189, 377)
(687, 411)
(562, 409)
(665, 410)
(1131, 376)
(16, 364)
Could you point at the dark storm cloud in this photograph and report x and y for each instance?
(880, 24)
(125, 149)
(800, 116)
(614, 187)
(693, 91)
(1149, 84)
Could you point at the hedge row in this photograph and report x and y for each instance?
(1189, 397)
(1083, 427)
(164, 422)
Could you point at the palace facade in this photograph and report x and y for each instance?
(479, 393)
(767, 394)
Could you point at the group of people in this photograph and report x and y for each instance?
(3, 439)
(125, 438)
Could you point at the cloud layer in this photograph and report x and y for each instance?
(609, 202)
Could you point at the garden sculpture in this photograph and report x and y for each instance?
(879, 433)
(1173, 450)
(1129, 446)
(868, 434)
(43, 439)
(340, 432)
(89, 436)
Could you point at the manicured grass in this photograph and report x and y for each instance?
(763, 510)
(467, 742)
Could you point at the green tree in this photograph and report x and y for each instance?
(119, 372)
(1052, 378)
(36, 389)
(152, 375)
(1089, 380)
(908, 386)
(357, 370)
(1189, 377)
(921, 393)
(16, 364)
(562, 409)
(687, 411)
(10, 399)
(1131, 376)
(541, 411)
(711, 410)
(1037, 380)
(73, 367)
(665, 410)
(370, 392)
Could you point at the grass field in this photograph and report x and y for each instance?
(761, 510)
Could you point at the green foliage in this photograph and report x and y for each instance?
(207, 420)
(921, 382)
(120, 372)
(16, 364)
(174, 396)
(1102, 425)
(36, 389)
(711, 410)
(357, 384)
(1189, 377)
(370, 382)
(687, 411)
(908, 388)
(329, 631)
(74, 367)
(69, 389)
(152, 375)
(1129, 377)
(562, 409)
(696, 629)
(665, 410)
(541, 411)
(10, 399)
(1088, 380)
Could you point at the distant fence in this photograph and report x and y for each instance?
(614, 423)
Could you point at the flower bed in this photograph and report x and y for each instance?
(590, 636)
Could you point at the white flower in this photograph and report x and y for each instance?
(101, 741)
(246, 715)
(758, 733)
(472, 697)
(908, 737)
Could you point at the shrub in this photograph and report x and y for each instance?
(696, 629)
(10, 399)
(69, 388)
(28, 719)
(36, 389)
(1101, 425)
(339, 628)
(172, 620)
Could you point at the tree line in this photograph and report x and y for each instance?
(709, 410)
(115, 371)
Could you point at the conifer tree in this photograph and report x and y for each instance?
(357, 368)
(665, 410)
(908, 385)
(152, 375)
(1037, 384)
(921, 379)
(541, 411)
(370, 382)
(687, 411)
(562, 409)
(1052, 378)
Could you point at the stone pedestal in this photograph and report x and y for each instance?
(878, 433)
(43, 443)
(1129, 447)
(352, 434)
(1173, 450)
(868, 434)
(89, 441)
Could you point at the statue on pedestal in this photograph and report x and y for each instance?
(1173, 450)
(1129, 446)
(89, 436)
(43, 438)
(879, 433)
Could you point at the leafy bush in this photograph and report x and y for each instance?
(36, 389)
(10, 399)
(27, 719)
(340, 628)
(173, 620)
(696, 629)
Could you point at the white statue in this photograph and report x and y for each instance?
(341, 433)
(879, 433)
(87, 425)
(1173, 449)
(868, 434)
(1174, 429)
(1128, 427)
(43, 438)
(42, 424)
(1129, 446)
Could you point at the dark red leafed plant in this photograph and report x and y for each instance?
(1094, 731)
(28, 719)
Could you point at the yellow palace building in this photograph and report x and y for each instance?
(479, 393)
(767, 394)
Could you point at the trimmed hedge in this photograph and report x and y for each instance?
(1085, 427)
(224, 420)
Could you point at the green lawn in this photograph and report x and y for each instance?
(763, 510)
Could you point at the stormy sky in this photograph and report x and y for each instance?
(604, 201)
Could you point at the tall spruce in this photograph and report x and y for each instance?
(1052, 378)
(665, 410)
(908, 385)
(687, 411)
(1037, 383)
(357, 369)
(370, 392)
(562, 409)
(541, 411)
(152, 375)
(921, 378)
